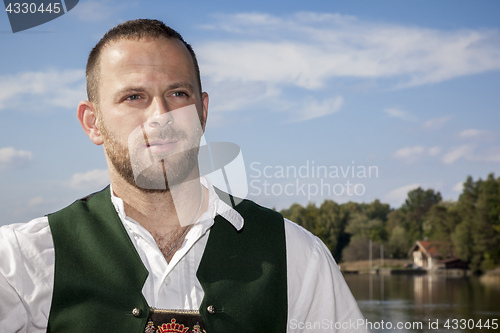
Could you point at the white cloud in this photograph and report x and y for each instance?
(472, 153)
(231, 95)
(412, 154)
(254, 57)
(489, 155)
(480, 147)
(463, 151)
(398, 196)
(401, 114)
(91, 179)
(36, 201)
(470, 133)
(408, 152)
(434, 151)
(11, 158)
(309, 49)
(316, 109)
(436, 123)
(458, 187)
(44, 90)
(476, 134)
(237, 95)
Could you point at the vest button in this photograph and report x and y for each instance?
(211, 309)
(136, 312)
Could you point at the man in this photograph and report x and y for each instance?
(161, 236)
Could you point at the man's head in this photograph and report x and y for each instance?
(145, 104)
(135, 30)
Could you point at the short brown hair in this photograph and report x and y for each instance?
(134, 29)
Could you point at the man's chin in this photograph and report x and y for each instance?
(148, 188)
(156, 179)
(152, 178)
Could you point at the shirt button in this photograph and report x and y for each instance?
(136, 312)
(211, 309)
(168, 280)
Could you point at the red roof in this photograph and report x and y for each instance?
(430, 248)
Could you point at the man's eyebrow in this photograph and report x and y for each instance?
(182, 84)
(128, 90)
(136, 89)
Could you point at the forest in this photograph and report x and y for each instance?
(469, 227)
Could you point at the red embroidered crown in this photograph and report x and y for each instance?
(172, 327)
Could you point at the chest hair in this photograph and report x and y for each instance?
(167, 240)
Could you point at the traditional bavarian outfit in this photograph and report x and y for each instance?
(90, 268)
(99, 275)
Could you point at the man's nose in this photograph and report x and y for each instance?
(161, 115)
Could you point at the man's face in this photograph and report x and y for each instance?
(151, 112)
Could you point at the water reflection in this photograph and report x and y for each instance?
(427, 300)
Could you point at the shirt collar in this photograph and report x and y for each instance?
(216, 206)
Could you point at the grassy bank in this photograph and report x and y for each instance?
(364, 265)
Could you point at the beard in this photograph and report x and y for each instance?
(151, 172)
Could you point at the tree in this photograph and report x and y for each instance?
(398, 244)
(377, 210)
(439, 223)
(466, 206)
(360, 225)
(295, 213)
(462, 240)
(484, 234)
(334, 225)
(477, 236)
(416, 206)
(470, 227)
(359, 249)
(323, 222)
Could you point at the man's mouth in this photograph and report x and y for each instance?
(161, 146)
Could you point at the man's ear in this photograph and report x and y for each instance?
(88, 119)
(204, 99)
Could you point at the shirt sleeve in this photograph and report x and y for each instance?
(26, 276)
(13, 316)
(319, 299)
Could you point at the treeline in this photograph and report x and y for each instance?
(469, 227)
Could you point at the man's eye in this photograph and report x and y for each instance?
(179, 94)
(133, 97)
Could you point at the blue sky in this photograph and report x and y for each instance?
(310, 91)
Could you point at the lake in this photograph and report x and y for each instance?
(427, 303)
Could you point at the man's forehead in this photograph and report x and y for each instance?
(121, 49)
(134, 58)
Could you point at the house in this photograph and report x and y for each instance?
(434, 255)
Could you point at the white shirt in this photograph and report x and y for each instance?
(319, 300)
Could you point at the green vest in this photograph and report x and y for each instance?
(99, 275)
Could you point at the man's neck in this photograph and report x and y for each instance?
(163, 211)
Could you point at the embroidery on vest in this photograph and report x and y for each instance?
(173, 327)
(174, 321)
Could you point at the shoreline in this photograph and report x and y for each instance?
(397, 266)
